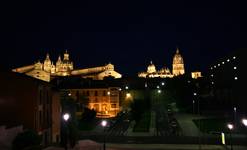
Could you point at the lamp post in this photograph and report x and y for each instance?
(104, 123)
(66, 117)
(230, 127)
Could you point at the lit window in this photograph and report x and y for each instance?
(235, 68)
(235, 78)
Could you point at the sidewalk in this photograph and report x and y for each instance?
(187, 125)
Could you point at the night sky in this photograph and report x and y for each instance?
(126, 33)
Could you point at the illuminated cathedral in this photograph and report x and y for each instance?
(177, 69)
(47, 70)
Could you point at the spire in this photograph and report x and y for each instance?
(177, 51)
(47, 56)
(59, 58)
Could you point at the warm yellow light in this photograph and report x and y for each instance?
(108, 93)
(128, 95)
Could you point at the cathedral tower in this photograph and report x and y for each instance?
(178, 64)
(47, 64)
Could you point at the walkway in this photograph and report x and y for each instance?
(187, 125)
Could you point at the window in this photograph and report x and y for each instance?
(113, 105)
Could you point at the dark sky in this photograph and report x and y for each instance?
(126, 33)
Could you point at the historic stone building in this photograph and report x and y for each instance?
(64, 67)
(104, 100)
(177, 69)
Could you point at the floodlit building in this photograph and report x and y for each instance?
(177, 69)
(196, 74)
(104, 100)
(47, 70)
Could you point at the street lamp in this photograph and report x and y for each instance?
(103, 124)
(66, 117)
(230, 127)
(244, 121)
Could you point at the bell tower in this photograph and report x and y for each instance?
(178, 64)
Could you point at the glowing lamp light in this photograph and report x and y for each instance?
(235, 68)
(195, 94)
(66, 116)
(128, 95)
(69, 94)
(223, 62)
(228, 60)
(211, 68)
(159, 91)
(214, 66)
(108, 93)
(212, 82)
(230, 126)
(234, 57)
(218, 64)
(126, 87)
(244, 121)
(163, 83)
(120, 89)
(158, 87)
(103, 123)
(235, 78)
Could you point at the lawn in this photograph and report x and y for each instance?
(217, 125)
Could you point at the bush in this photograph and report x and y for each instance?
(26, 140)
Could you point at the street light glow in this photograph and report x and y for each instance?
(235, 78)
(194, 93)
(66, 116)
(128, 95)
(244, 121)
(159, 91)
(103, 123)
(230, 126)
(126, 87)
(108, 93)
(162, 83)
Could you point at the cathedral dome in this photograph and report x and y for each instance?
(178, 59)
(151, 68)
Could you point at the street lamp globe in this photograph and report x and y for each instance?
(244, 121)
(66, 117)
(103, 123)
(230, 126)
